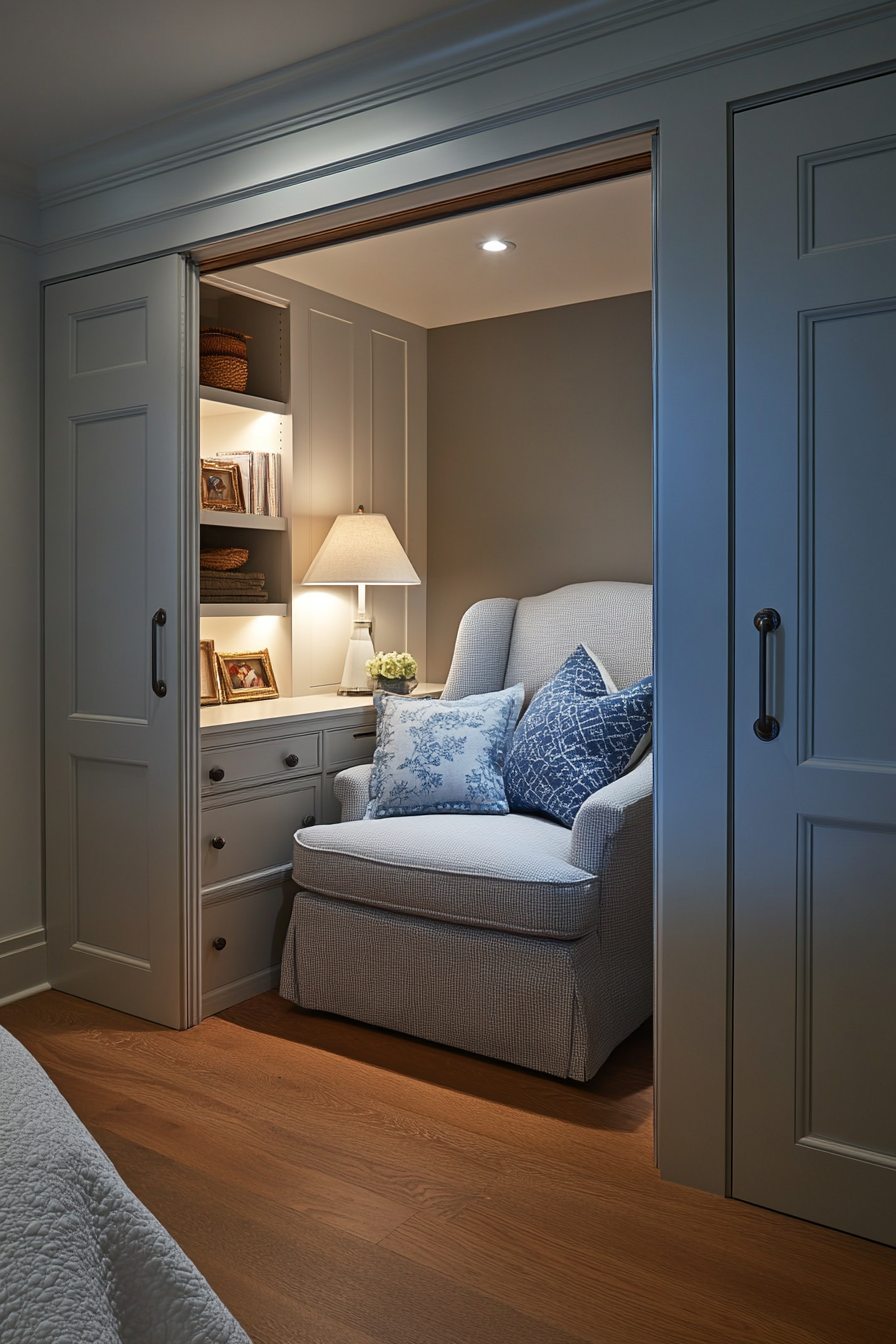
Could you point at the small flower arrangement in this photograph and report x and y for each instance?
(392, 667)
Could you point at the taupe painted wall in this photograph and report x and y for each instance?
(540, 450)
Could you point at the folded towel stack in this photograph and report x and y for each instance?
(237, 586)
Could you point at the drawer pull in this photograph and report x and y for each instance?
(309, 820)
(291, 761)
(219, 944)
(218, 842)
(216, 775)
(372, 733)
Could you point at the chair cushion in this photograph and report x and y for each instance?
(437, 756)
(574, 739)
(496, 872)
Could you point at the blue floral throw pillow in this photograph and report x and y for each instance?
(441, 755)
(574, 738)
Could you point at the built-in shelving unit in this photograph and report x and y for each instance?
(238, 423)
(258, 522)
(241, 401)
(244, 609)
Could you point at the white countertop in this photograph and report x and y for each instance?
(289, 707)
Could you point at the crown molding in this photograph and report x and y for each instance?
(681, 61)
(469, 40)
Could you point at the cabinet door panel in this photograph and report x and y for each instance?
(349, 746)
(253, 927)
(260, 760)
(121, 795)
(814, 1049)
(257, 832)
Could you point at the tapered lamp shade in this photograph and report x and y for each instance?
(360, 548)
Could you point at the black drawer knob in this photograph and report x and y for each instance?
(219, 944)
(309, 820)
(291, 761)
(218, 842)
(216, 775)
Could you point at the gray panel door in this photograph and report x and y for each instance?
(119, 894)
(814, 1071)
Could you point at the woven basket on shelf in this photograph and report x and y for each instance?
(223, 558)
(222, 358)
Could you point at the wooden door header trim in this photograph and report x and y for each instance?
(426, 213)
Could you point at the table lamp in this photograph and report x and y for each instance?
(360, 548)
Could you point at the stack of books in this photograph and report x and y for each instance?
(260, 474)
(235, 586)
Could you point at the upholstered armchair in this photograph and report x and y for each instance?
(510, 936)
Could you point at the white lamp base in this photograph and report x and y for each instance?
(360, 648)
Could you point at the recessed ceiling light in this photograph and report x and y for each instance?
(497, 245)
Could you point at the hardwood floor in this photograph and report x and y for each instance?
(337, 1184)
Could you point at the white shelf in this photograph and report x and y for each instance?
(242, 400)
(261, 522)
(242, 609)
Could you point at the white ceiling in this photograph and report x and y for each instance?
(589, 243)
(74, 71)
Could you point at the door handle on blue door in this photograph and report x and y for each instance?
(766, 726)
(159, 619)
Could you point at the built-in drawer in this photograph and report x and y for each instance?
(251, 927)
(298, 754)
(256, 831)
(349, 746)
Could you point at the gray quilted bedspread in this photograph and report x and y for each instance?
(81, 1260)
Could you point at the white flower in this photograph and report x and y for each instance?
(393, 666)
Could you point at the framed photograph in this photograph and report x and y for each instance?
(247, 676)
(221, 487)
(209, 677)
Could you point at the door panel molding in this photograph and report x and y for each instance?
(854, 610)
(812, 209)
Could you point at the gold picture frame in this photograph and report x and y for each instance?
(221, 487)
(247, 676)
(209, 674)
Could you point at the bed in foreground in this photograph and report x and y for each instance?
(81, 1259)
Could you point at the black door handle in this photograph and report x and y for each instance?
(159, 619)
(766, 726)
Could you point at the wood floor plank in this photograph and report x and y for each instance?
(299, 1266)
(384, 1151)
(339, 1184)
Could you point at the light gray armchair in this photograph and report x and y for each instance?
(508, 936)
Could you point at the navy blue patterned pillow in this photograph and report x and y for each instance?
(574, 738)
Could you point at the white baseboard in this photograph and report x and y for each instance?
(23, 965)
(225, 996)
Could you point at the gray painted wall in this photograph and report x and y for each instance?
(540, 457)
(22, 949)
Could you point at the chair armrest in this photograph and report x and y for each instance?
(626, 804)
(352, 790)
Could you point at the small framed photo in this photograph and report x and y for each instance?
(209, 676)
(247, 676)
(221, 487)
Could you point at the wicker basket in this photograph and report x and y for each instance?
(223, 558)
(222, 358)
